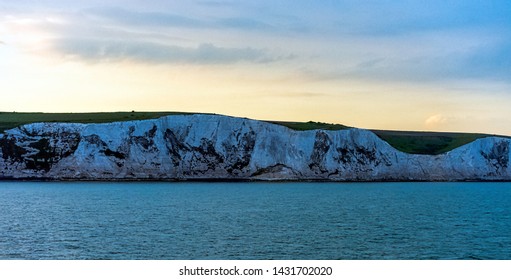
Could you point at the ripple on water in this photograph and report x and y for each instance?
(255, 220)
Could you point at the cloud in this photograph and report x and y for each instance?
(410, 42)
(411, 47)
(124, 16)
(396, 18)
(435, 121)
(216, 3)
(162, 19)
(423, 58)
(493, 60)
(111, 51)
(243, 23)
(94, 40)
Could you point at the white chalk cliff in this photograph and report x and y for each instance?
(193, 147)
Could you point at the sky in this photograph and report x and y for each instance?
(402, 65)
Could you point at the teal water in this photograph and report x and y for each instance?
(255, 220)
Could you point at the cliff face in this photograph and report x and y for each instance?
(220, 147)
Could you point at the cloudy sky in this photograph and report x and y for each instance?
(408, 65)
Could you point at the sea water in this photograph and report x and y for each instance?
(149, 220)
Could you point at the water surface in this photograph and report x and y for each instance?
(255, 220)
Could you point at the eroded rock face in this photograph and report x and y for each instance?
(219, 147)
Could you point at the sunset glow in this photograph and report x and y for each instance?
(405, 65)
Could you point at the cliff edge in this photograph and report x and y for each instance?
(213, 147)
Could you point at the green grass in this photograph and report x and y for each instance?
(10, 120)
(428, 143)
(311, 125)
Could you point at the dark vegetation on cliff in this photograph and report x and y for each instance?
(431, 143)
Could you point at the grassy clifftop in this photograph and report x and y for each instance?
(428, 143)
(431, 143)
(311, 125)
(11, 119)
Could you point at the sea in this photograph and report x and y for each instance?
(254, 221)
